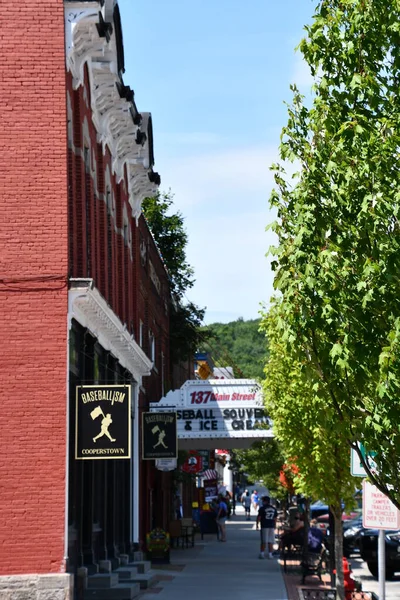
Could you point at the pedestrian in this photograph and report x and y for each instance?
(221, 518)
(178, 507)
(247, 505)
(315, 537)
(294, 536)
(254, 500)
(267, 519)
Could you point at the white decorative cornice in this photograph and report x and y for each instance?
(91, 38)
(87, 306)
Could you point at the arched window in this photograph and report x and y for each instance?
(110, 259)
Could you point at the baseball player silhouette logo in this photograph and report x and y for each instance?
(161, 436)
(105, 423)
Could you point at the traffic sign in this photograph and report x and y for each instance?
(378, 511)
(357, 468)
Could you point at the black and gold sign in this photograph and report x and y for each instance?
(159, 434)
(103, 421)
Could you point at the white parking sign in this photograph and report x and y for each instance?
(378, 511)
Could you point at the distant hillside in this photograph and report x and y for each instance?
(238, 344)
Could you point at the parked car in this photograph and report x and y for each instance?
(352, 529)
(317, 509)
(352, 526)
(368, 540)
(323, 520)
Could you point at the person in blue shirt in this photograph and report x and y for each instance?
(266, 518)
(315, 537)
(221, 518)
(255, 500)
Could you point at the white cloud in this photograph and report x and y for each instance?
(198, 178)
(233, 275)
(224, 199)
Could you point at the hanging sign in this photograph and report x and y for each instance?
(159, 435)
(103, 422)
(193, 463)
(205, 455)
(210, 490)
(166, 464)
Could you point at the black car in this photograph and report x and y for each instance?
(351, 536)
(368, 541)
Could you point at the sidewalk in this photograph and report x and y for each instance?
(215, 570)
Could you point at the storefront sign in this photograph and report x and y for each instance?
(218, 408)
(210, 490)
(166, 464)
(103, 422)
(193, 463)
(205, 455)
(159, 435)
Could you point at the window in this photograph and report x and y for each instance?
(86, 158)
(109, 245)
(141, 334)
(152, 347)
(126, 234)
(162, 374)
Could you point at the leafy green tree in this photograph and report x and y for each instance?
(308, 428)
(239, 344)
(171, 238)
(337, 262)
(263, 462)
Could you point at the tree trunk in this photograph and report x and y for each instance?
(338, 546)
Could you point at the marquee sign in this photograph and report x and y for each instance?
(217, 408)
(103, 422)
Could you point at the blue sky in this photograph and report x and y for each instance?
(215, 75)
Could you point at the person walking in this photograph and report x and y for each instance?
(267, 519)
(245, 493)
(254, 500)
(221, 518)
(247, 505)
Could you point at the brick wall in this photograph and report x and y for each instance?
(121, 276)
(33, 299)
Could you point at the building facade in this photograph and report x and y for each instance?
(84, 294)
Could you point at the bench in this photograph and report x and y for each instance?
(181, 532)
(292, 553)
(188, 531)
(314, 564)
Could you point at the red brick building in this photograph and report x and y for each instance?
(84, 295)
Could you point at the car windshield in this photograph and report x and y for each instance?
(356, 522)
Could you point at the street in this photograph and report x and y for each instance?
(369, 583)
